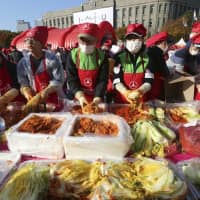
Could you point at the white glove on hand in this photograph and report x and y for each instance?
(135, 94)
(144, 88)
(83, 101)
(96, 100)
(27, 92)
(81, 98)
(124, 91)
(47, 91)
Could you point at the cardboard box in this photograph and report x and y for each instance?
(179, 88)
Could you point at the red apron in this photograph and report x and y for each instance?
(6, 84)
(41, 82)
(87, 78)
(196, 93)
(5, 80)
(157, 87)
(132, 81)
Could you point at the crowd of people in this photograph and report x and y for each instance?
(133, 71)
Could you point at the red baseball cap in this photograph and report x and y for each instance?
(196, 40)
(156, 38)
(39, 33)
(136, 29)
(89, 31)
(108, 43)
(196, 27)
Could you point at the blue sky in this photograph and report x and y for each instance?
(30, 10)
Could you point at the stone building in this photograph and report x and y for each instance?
(152, 13)
(22, 25)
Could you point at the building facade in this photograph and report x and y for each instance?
(152, 13)
(22, 25)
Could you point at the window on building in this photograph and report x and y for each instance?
(62, 20)
(67, 21)
(58, 22)
(150, 23)
(136, 11)
(159, 8)
(175, 10)
(123, 12)
(181, 9)
(71, 19)
(143, 10)
(163, 21)
(151, 9)
(165, 8)
(158, 22)
(50, 23)
(54, 22)
(117, 13)
(130, 12)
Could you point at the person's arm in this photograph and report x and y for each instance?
(22, 75)
(56, 72)
(158, 64)
(72, 75)
(56, 75)
(12, 69)
(179, 56)
(117, 72)
(102, 79)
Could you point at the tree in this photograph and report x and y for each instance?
(6, 37)
(180, 27)
(120, 32)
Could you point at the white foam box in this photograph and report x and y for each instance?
(40, 145)
(8, 160)
(91, 147)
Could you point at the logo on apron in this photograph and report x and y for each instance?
(133, 85)
(88, 82)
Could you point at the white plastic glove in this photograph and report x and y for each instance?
(135, 94)
(144, 88)
(27, 92)
(124, 91)
(47, 91)
(81, 98)
(96, 100)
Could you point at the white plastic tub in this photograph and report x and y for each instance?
(91, 147)
(8, 160)
(40, 145)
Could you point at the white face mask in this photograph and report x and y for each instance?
(133, 45)
(192, 35)
(87, 49)
(193, 52)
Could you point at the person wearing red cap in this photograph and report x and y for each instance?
(158, 45)
(106, 47)
(195, 29)
(189, 57)
(8, 80)
(14, 55)
(87, 67)
(40, 71)
(132, 77)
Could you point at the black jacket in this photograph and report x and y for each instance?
(157, 62)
